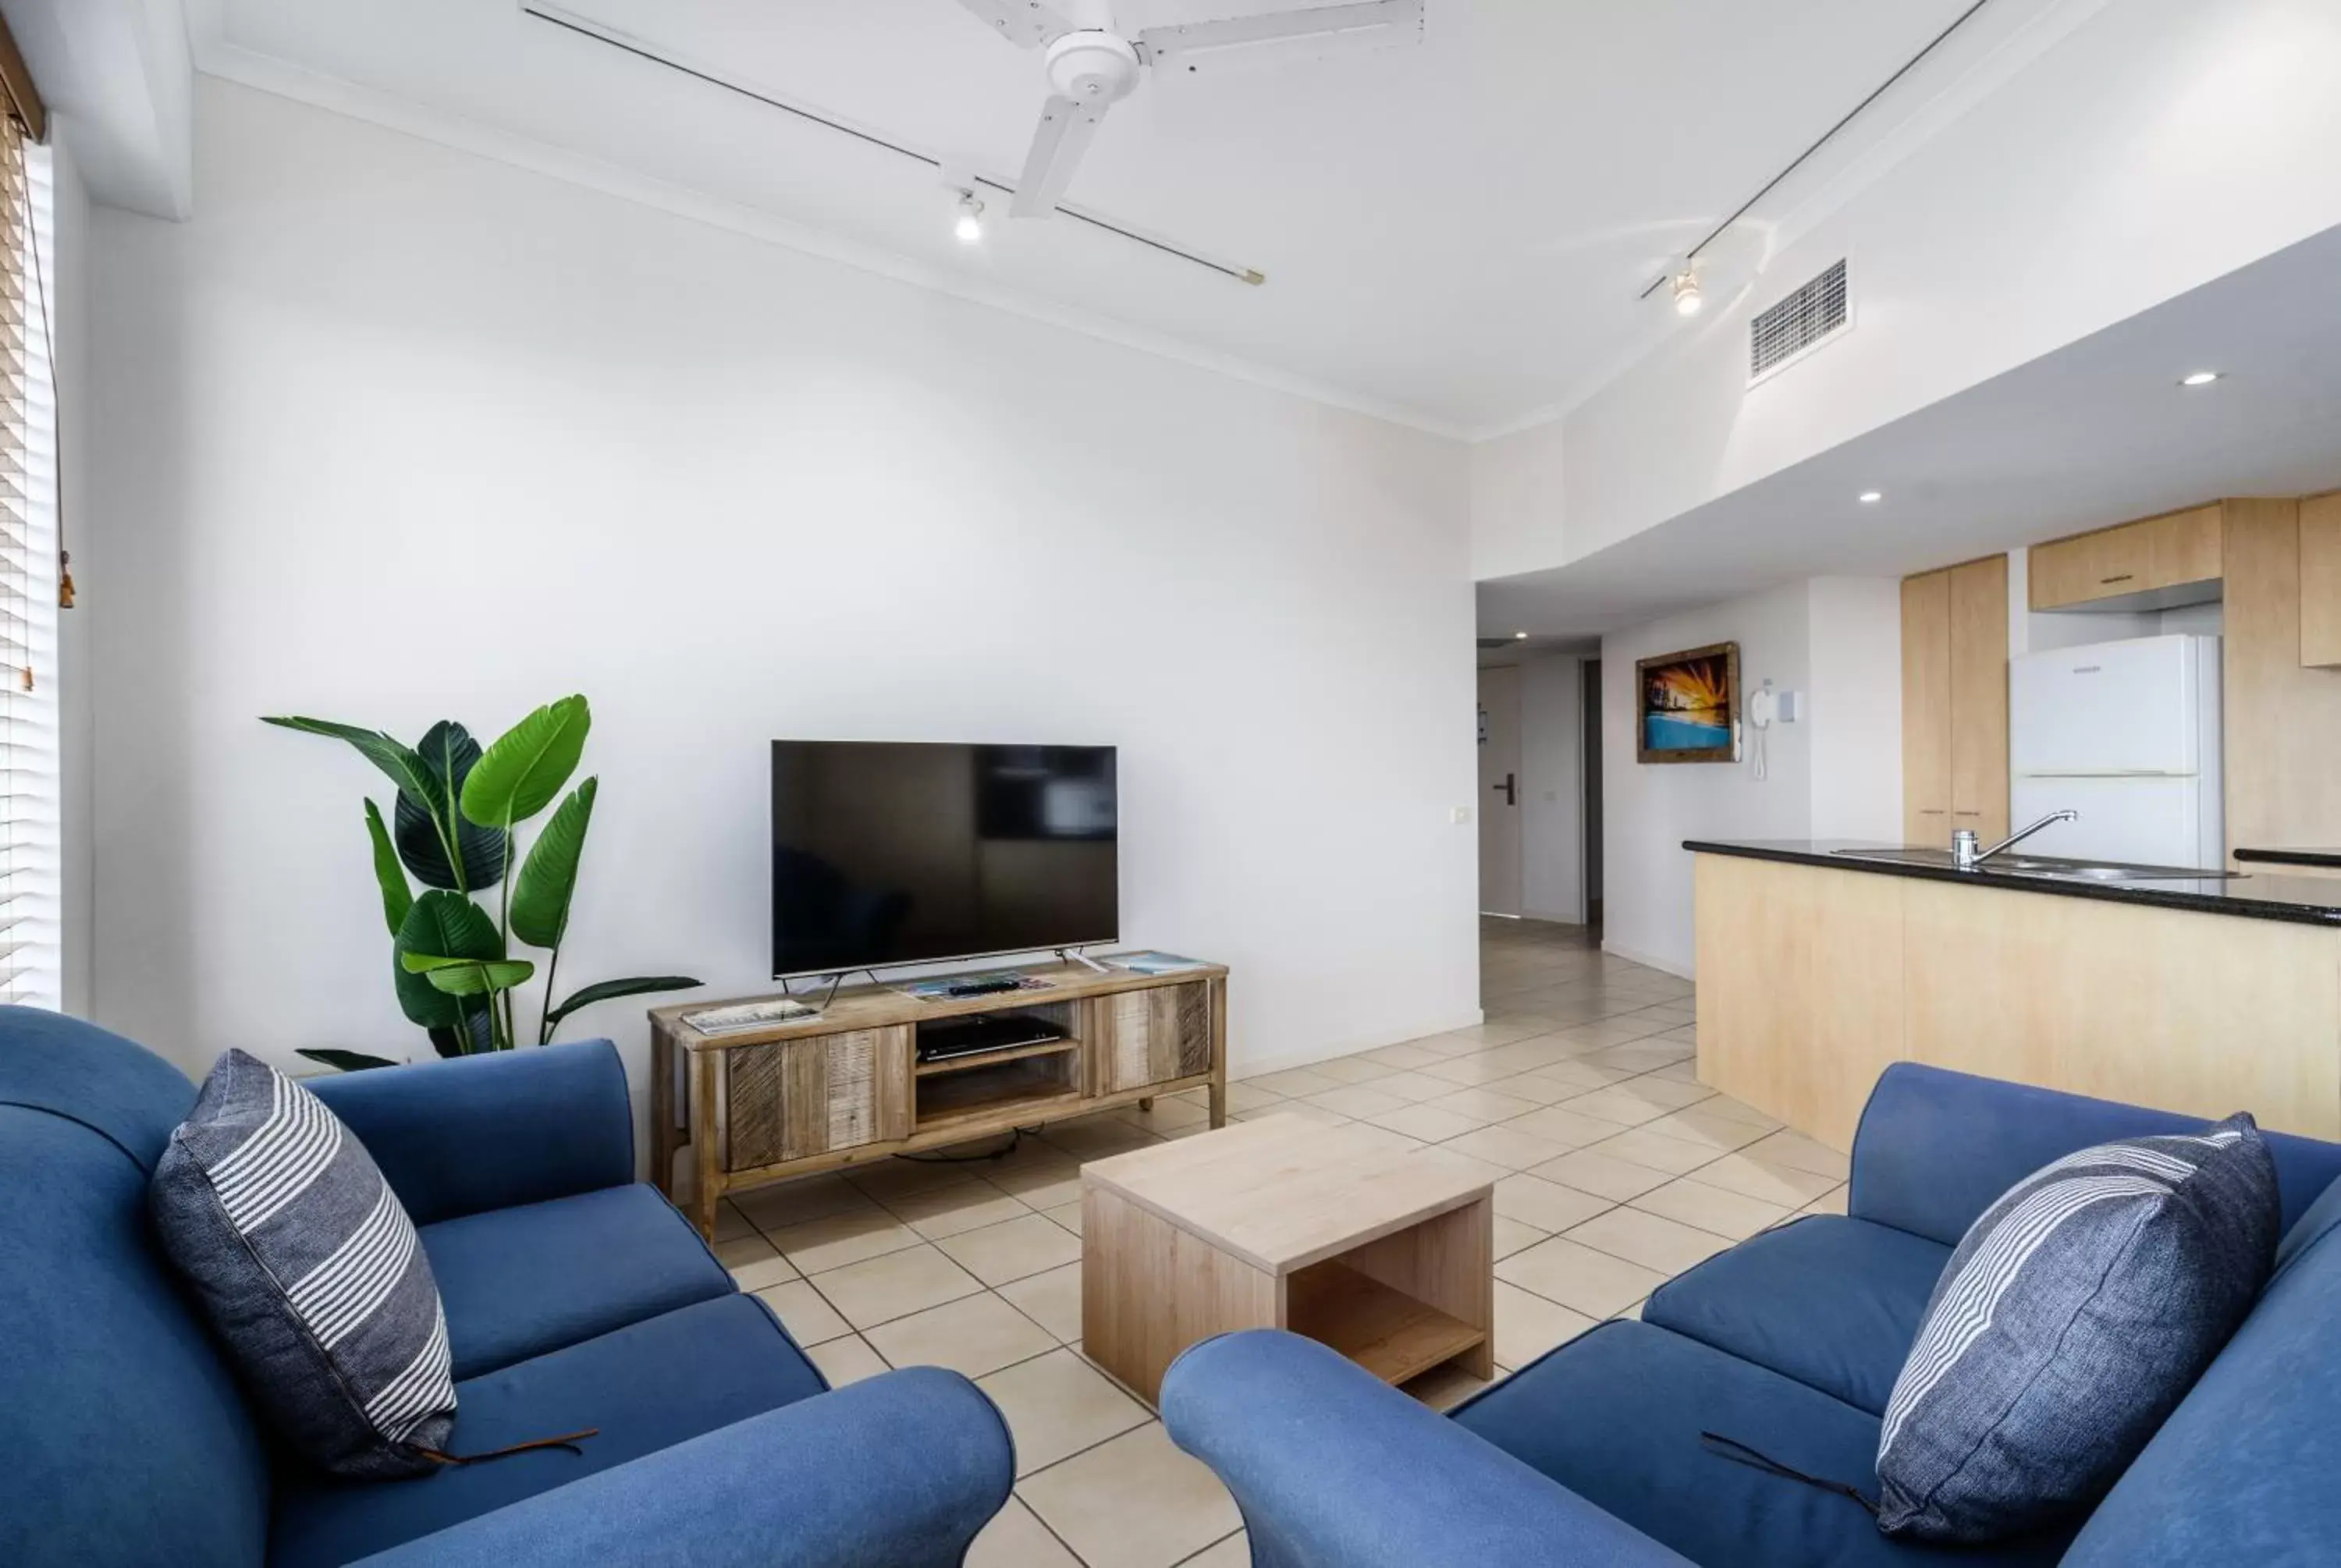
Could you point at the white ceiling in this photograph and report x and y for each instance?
(2097, 432)
(1455, 234)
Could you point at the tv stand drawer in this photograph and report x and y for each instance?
(791, 1098)
(1149, 1036)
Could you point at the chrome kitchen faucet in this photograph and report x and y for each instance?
(1967, 857)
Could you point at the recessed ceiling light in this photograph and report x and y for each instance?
(1688, 299)
(2198, 379)
(1520, 637)
(970, 226)
(1871, 497)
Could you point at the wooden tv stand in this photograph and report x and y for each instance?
(764, 1105)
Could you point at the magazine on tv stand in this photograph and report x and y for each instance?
(1152, 963)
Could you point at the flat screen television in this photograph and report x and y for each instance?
(909, 852)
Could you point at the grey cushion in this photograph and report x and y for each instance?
(310, 1271)
(2072, 1318)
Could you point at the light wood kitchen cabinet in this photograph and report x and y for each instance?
(2155, 555)
(1926, 708)
(1955, 703)
(2320, 579)
(1980, 698)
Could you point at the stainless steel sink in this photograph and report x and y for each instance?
(2028, 866)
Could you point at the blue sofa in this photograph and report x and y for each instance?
(1790, 1342)
(575, 1297)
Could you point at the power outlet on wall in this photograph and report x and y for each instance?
(1459, 815)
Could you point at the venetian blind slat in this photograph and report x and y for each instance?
(30, 956)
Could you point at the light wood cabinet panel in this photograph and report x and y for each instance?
(2103, 565)
(1799, 989)
(2207, 1014)
(793, 1099)
(2142, 557)
(1926, 708)
(2320, 579)
(1152, 1036)
(2185, 546)
(1812, 981)
(2283, 719)
(1979, 661)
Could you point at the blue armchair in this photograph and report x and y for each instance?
(1790, 1342)
(575, 1297)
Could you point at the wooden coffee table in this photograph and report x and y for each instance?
(1287, 1223)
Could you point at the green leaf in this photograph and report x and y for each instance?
(347, 1061)
(526, 767)
(448, 753)
(610, 990)
(475, 978)
(405, 768)
(440, 923)
(540, 893)
(397, 899)
(475, 1034)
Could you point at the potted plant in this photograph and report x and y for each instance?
(453, 826)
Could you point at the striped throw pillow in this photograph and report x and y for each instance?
(2076, 1314)
(310, 1271)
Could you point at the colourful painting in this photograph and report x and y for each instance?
(1688, 702)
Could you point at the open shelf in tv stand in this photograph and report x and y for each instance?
(845, 1087)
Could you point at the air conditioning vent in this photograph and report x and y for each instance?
(1496, 641)
(1786, 333)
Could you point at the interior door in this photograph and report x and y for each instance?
(1500, 791)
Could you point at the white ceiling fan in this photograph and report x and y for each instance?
(1092, 68)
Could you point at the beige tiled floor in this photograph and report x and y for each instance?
(1614, 1170)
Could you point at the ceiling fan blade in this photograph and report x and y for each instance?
(1064, 134)
(1027, 24)
(1319, 33)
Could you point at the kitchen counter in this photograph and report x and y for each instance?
(2330, 859)
(2259, 896)
(2203, 995)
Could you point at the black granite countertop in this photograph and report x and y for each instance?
(2303, 900)
(2330, 858)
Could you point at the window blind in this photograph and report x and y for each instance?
(31, 929)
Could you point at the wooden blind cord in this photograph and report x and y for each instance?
(56, 428)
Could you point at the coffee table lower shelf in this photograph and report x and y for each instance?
(1387, 1332)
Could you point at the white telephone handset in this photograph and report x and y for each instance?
(1763, 707)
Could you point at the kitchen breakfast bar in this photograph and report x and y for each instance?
(1819, 963)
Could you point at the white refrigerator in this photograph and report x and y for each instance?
(2128, 734)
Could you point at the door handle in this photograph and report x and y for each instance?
(1507, 790)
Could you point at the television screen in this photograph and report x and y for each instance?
(909, 852)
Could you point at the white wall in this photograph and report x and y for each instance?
(1552, 790)
(1517, 494)
(1835, 773)
(406, 434)
(74, 324)
(1853, 719)
(2158, 145)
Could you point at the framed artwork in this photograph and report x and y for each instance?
(1688, 706)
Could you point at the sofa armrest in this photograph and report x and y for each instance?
(897, 1472)
(472, 1134)
(1330, 1464)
